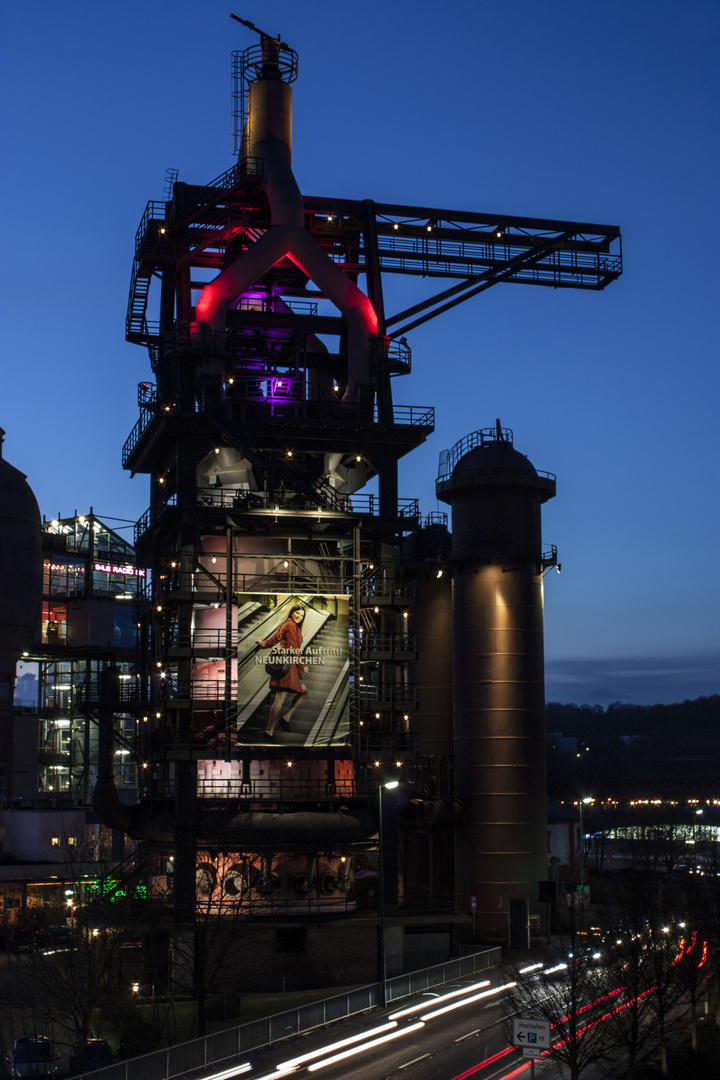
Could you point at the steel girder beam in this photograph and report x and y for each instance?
(480, 249)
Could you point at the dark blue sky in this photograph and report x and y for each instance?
(600, 112)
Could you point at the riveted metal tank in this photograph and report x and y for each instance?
(21, 563)
(498, 672)
(424, 554)
(20, 583)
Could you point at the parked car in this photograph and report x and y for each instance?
(89, 1055)
(55, 937)
(33, 1056)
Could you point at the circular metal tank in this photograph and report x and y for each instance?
(498, 673)
(21, 562)
(423, 554)
(20, 584)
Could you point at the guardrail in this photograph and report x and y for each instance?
(237, 1042)
(450, 458)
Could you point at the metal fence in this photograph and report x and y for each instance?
(235, 1043)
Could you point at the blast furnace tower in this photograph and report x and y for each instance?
(277, 691)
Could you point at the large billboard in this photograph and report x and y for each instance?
(292, 679)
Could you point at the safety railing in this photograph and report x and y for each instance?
(415, 415)
(500, 476)
(549, 557)
(249, 166)
(200, 338)
(215, 641)
(206, 690)
(380, 592)
(375, 646)
(150, 517)
(142, 525)
(414, 246)
(449, 458)
(136, 434)
(277, 305)
(154, 211)
(369, 503)
(387, 695)
(259, 394)
(289, 782)
(265, 394)
(395, 355)
(147, 394)
(280, 499)
(210, 585)
(227, 1047)
(289, 787)
(387, 746)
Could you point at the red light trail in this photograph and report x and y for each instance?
(526, 1064)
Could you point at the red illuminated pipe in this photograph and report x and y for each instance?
(269, 137)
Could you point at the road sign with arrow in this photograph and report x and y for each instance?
(532, 1035)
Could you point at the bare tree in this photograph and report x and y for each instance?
(692, 971)
(661, 953)
(84, 967)
(567, 997)
(643, 968)
(203, 953)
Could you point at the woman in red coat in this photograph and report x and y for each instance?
(289, 637)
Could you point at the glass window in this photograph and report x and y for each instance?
(54, 623)
(125, 630)
(63, 576)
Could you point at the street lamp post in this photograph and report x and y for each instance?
(582, 845)
(381, 892)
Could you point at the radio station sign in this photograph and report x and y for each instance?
(114, 568)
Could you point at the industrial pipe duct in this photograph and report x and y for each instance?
(157, 823)
(269, 138)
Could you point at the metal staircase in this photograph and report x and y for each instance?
(136, 324)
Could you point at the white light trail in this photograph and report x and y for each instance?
(294, 1062)
(227, 1073)
(442, 997)
(365, 1046)
(467, 1001)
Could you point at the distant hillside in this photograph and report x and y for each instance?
(640, 751)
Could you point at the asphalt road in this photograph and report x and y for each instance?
(470, 1040)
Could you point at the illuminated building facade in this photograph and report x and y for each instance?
(83, 639)
(88, 628)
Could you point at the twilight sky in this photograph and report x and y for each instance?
(587, 111)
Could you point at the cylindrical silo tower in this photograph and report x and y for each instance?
(20, 583)
(424, 555)
(497, 566)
